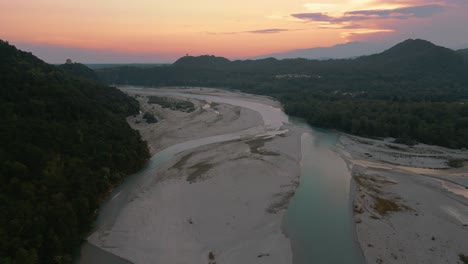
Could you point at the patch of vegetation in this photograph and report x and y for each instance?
(182, 161)
(456, 163)
(381, 205)
(463, 258)
(363, 181)
(384, 206)
(173, 104)
(199, 170)
(150, 119)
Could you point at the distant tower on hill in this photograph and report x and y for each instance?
(69, 61)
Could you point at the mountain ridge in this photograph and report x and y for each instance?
(412, 57)
(339, 51)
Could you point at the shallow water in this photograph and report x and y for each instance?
(319, 216)
(318, 219)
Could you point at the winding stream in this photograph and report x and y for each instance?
(318, 221)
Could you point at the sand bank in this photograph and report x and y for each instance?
(409, 206)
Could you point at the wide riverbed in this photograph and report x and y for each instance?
(319, 219)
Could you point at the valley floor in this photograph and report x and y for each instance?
(225, 202)
(218, 203)
(409, 206)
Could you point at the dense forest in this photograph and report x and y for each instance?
(64, 142)
(413, 91)
(80, 70)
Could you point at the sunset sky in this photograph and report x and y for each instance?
(161, 31)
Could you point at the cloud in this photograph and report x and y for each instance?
(400, 13)
(321, 17)
(257, 31)
(268, 31)
(422, 11)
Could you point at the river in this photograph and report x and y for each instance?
(319, 218)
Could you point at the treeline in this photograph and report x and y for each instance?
(173, 104)
(64, 143)
(415, 90)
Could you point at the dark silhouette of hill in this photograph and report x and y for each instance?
(416, 58)
(205, 61)
(80, 70)
(411, 59)
(64, 142)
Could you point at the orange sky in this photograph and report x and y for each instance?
(240, 28)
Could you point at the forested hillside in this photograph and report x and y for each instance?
(64, 143)
(80, 70)
(415, 90)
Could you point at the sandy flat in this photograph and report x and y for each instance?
(409, 206)
(223, 200)
(176, 126)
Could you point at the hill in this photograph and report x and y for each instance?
(64, 142)
(80, 70)
(417, 58)
(205, 61)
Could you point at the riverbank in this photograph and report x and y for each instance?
(218, 203)
(208, 118)
(409, 205)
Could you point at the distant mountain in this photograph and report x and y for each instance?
(205, 61)
(80, 70)
(416, 58)
(64, 142)
(412, 59)
(340, 51)
(413, 47)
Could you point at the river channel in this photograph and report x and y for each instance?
(319, 218)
